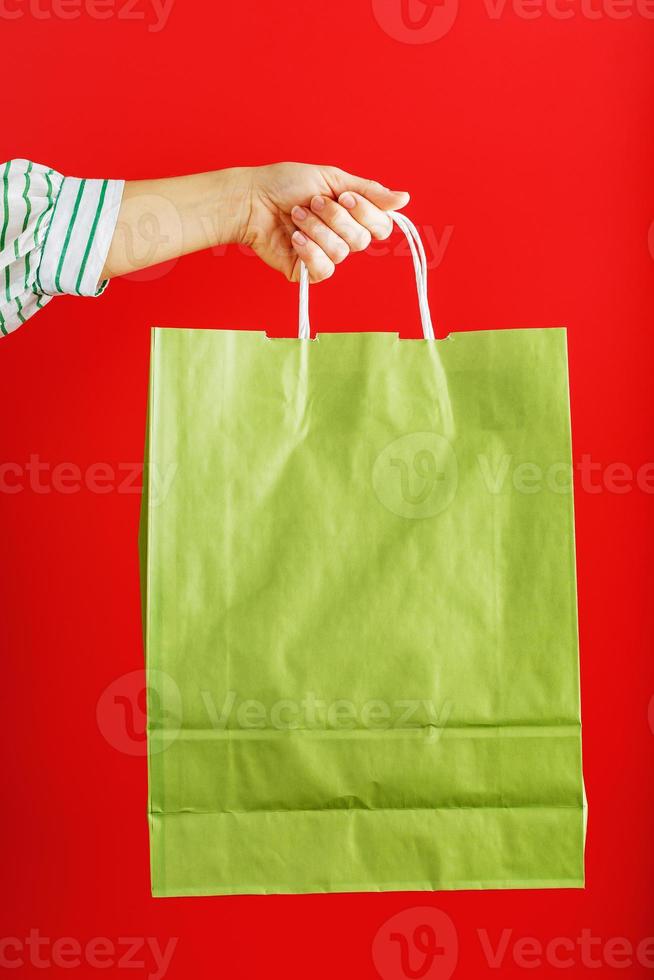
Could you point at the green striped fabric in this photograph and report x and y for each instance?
(55, 234)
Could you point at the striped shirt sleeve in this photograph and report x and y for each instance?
(55, 234)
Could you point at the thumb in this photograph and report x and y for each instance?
(376, 193)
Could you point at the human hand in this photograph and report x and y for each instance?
(297, 212)
(287, 212)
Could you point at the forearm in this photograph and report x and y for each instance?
(70, 235)
(162, 219)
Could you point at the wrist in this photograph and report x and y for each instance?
(231, 205)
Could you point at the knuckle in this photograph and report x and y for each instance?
(329, 171)
(372, 187)
(324, 272)
(361, 240)
(340, 252)
(382, 230)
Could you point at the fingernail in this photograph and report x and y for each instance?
(347, 200)
(318, 203)
(299, 213)
(298, 238)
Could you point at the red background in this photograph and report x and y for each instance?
(531, 139)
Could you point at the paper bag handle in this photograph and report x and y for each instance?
(419, 265)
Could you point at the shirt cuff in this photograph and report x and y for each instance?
(79, 236)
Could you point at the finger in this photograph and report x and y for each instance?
(318, 264)
(378, 222)
(340, 221)
(382, 197)
(315, 229)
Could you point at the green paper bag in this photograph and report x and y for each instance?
(360, 612)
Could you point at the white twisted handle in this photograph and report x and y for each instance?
(419, 265)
